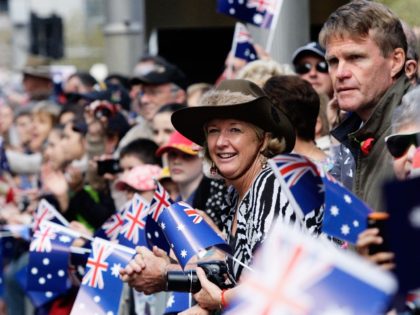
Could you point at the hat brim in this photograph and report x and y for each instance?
(190, 121)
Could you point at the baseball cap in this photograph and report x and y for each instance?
(179, 142)
(141, 178)
(161, 74)
(311, 48)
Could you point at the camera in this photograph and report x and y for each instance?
(105, 109)
(187, 281)
(111, 166)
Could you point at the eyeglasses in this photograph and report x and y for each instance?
(398, 144)
(304, 68)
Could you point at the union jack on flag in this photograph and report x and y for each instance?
(41, 241)
(132, 231)
(46, 211)
(191, 212)
(112, 227)
(97, 265)
(292, 272)
(300, 179)
(48, 269)
(261, 13)
(161, 199)
(101, 289)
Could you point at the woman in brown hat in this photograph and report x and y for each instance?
(240, 129)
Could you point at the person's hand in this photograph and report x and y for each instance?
(371, 237)
(146, 272)
(209, 297)
(195, 310)
(74, 178)
(55, 183)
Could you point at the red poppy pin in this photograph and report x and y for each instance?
(367, 145)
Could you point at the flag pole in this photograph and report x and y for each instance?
(272, 31)
(229, 72)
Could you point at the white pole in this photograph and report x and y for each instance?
(273, 27)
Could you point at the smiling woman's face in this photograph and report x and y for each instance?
(233, 146)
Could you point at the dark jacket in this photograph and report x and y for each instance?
(373, 169)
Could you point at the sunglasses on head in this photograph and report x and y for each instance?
(304, 68)
(398, 144)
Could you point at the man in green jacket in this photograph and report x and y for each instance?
(366, 52)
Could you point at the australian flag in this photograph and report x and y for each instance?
(112, 227)
(49, 255)
(403, 204)
(101, 288)
(261, 13)
(161, 199)
(345, 215)
(300, 180)
(187, 232)
(38, 298)
(309, 187)
(294, 272)
(242, 46)
(46, 211)
(178, 302)
(132, 232)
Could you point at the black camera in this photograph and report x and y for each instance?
(187, 281)
(105, 110)
(111, 166)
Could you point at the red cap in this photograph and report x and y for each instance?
(179, 142)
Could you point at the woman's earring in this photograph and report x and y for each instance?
(263, 161)
(213, 169)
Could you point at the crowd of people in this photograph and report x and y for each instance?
(348, 102)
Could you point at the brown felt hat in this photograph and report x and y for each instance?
(259, 111)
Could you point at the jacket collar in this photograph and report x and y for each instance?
(350, 132)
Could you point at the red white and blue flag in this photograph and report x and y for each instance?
(112, 226)
(100, 292)
(161, 199)
(243, 44)
(132, 232)
(309, 187)
(187, 232)
(49, 254)
(261, 13)
(293, 272)
(46, 211)
(300, 180)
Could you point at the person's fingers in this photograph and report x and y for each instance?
(383, 257)
(160, 252)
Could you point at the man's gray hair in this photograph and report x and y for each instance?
(408, 113)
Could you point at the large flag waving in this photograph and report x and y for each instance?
(101, 288)
(187, 232)
(295, 274)
(261, 13)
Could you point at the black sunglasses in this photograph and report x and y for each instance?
(398, 144)
(304, 68)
